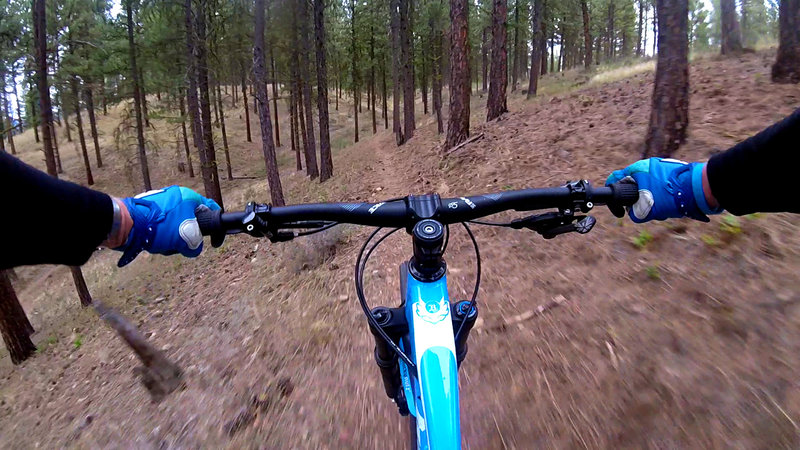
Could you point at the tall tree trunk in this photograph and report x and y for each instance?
(515, 61)
(397, 70)
(224, 132)
(354, 66)
(409, 121)
(325, 156)
(787, 64)
(669, 116)
(45, 108)
(731, 35)
(436, 73)
(655, 30)
(305, 38)
(53, 135)
(384, 94)
(612, 36)
(640, 29)
(458, 122)
(67, 126)
(267, 144)
(145, 114)
(209, 166)
(485, 59)
(496, 104)
(89, 98)
(587, 35)
(296, 130)
(19, 108)
(372, 77)
(536, 48)
(275, 98)
(543, 40)
(80, 284)
(246, 107)
(14, 325)
(79, 121)
(8, 116)
(137, 96)
(182, 107)
(103, 94)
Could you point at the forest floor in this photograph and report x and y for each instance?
(677, 334)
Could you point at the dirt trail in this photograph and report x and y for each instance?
(674, 335)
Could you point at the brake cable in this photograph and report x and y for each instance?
(359, 274)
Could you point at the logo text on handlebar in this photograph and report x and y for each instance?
(468, 202)
(376, 206)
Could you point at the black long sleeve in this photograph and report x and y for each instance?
(760, 173)
(48, 221)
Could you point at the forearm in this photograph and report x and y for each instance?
(757, 174)
(46, 220)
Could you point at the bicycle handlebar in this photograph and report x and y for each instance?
(408, 211)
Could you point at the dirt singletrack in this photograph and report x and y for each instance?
(683, 335)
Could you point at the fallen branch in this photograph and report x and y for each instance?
(159, 375)
(463, 144)
(557, 301)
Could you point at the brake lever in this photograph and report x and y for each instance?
(551, 224)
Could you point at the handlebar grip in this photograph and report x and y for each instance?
(210, 223)
(624, 193)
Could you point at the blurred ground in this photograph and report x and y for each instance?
(677, 334)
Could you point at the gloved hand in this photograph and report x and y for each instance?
(668, 188)
(164, 222)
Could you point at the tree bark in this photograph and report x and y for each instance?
(497, 104)
(275, 98)
(436, 73)
(145, 114)
(67, 127)
(54, 137)
(372, 77)
(384, 94)
(209, 167)
(79, 121)
(45, 108)
(89, 98)
(103, 94)
(224, 133)
(8, 116)
(246, 107)
(731, 34)
(536, 48)
(182, 107)
(267, 144)
(397, 70)
(325, 156)
(305, 37)
(80, 284)
(515, 61)
(134, 74)
(296, 130)
(640, 29)
(458, 122)
(14, 325)
(406, 43)
(354, 67)
(587, 35)
(787, 64)
(669, 116)
(485, 59)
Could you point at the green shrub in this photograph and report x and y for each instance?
(643, 239)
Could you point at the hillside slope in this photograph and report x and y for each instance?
(691, 338)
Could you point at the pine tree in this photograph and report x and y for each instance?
(498, 75)
(458, 122)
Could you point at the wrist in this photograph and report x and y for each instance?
(702, 191)
(121, 225)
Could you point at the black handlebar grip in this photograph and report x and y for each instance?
(210, 223)
(625, 193)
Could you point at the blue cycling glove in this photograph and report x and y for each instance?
(164, 222)
(668, 188)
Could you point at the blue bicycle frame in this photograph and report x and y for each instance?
(431, 392)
